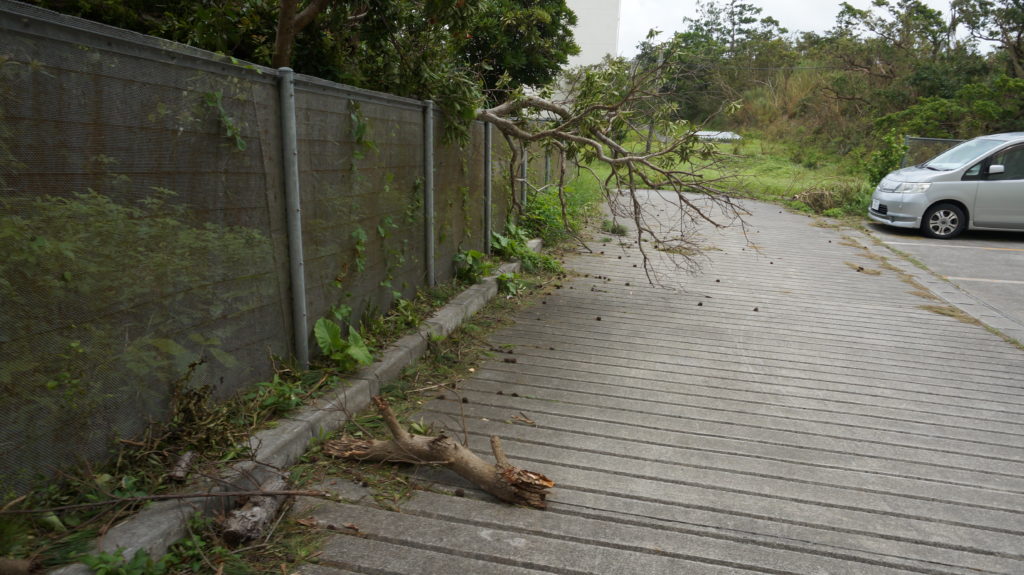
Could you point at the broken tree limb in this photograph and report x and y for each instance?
(182, 467)
(504, 480)
(249, 521)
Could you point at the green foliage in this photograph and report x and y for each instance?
(273, 398)
(974, 110)
(94, 293)
(727, 48)
(15, 536)
(201, 550)
(770, 172)
(886, 158)
(215, 101)
(360, 131)
(510, 285)
(1001, 23)
(359, 237)
(462, 49)
(513, 246)
(555, 215)
(348, 353)
(614, 228)
(141, 563)
(471, 266)
(513, 44)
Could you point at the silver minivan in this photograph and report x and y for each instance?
(976, 185)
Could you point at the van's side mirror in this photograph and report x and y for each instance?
(996, 169)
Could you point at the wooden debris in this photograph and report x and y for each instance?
(251, 520)
(503, 480)
(182, 467)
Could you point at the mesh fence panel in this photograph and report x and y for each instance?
(137, 238)
(458, 200)
(143, 239)
(361, 175)
(501, 186)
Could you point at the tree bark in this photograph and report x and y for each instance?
(291, 21)
(250, 521)
(504, 481)
(182, 467)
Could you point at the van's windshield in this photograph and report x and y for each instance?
(963, 154)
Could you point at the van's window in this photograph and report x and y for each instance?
(1012, 161)
(957, 157)
(973, 173)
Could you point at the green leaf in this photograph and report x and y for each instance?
(357, 349)
(328, 336)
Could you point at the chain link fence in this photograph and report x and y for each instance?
(920, 150)
(144, 233)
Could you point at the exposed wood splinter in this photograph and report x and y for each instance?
(504, 480)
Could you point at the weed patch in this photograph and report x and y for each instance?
(950, 311)
(555, 215)
(613, 228)
(861, 269)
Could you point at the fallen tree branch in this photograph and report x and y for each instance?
(182, 467)
(249, 521)
(504, 481)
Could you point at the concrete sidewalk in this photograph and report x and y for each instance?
(793, 410)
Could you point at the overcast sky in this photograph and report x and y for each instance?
(639, 16)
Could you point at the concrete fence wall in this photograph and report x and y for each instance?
(145, 224)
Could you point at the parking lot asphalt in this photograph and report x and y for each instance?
(986, 265)
(802, 406)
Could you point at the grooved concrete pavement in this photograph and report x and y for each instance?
(791, 410)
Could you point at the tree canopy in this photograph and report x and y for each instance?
(898, 67)
(459, 53)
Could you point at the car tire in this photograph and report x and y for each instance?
(943, 221)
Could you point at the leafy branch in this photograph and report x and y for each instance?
(607, 106)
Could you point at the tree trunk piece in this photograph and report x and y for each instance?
(250, 521)
(182, 467)
(504, 481)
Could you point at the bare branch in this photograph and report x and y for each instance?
(591, 125)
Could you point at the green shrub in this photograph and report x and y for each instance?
(542, 215)
(349, 353)
(613, 228)
(471, 266)
(512, 246)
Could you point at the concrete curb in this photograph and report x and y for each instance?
(158, 526)
(949, 292)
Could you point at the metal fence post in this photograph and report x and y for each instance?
(428, 188)
(488, 191)
(293, 202)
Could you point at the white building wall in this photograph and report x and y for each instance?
(596, 31)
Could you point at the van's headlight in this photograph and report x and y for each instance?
(912, 188)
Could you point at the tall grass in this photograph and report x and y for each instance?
(544, 217)
(805, 179)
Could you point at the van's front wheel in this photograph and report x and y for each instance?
(943, 221)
